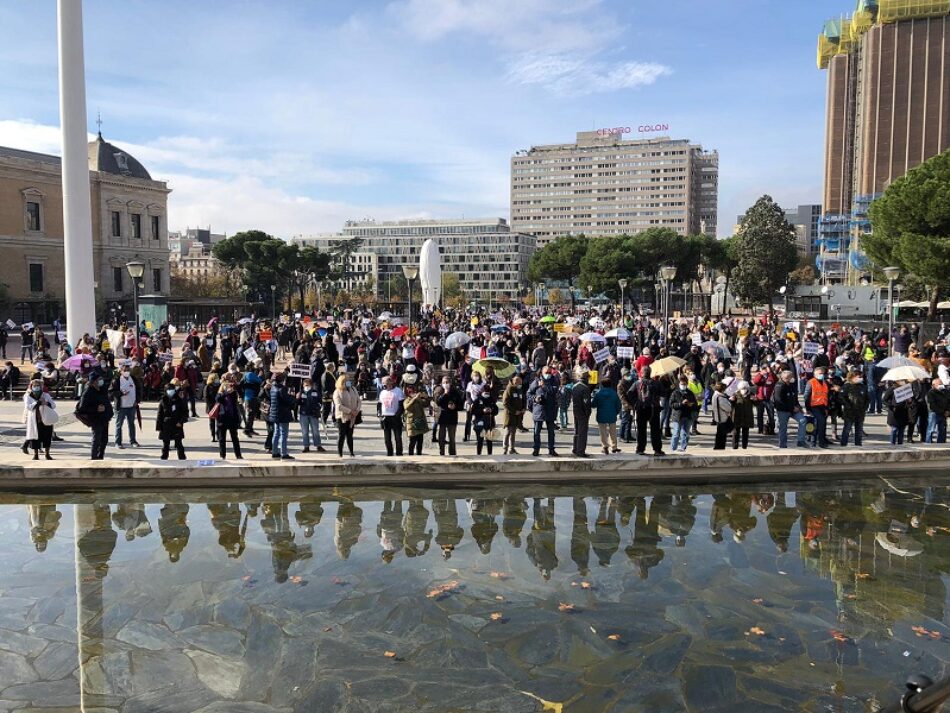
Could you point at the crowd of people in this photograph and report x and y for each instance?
(489, 377)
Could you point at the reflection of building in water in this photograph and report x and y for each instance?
(414, 524)
(173, 529)
(580, 537)
(449, 534)
(226, 519)
(284, 550)
(484, 526)
(349, 523)
(541, 540)
(390, 530)
(44, 521)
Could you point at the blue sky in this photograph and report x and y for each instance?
(294, 116)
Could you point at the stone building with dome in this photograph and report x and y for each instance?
(129, 222)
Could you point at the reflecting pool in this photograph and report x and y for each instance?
(505, 598)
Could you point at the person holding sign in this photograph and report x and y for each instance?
(897, 399)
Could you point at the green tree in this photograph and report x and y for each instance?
(911, 226)
(559, 260)
(451, 288)
(764, 250)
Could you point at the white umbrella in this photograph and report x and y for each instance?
(717, 346)
(899, 544)
(243, 320)
(618, 333)
(456, 340)
(592, 337)
(906, 373)
(895, 361)
(596, 322)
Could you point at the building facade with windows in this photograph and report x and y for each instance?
(129, 222)
(606, 185)
(489, 258)
(189, 253)
(362, 269)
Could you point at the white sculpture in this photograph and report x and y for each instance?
(430, 274)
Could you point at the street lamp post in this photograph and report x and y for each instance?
(623, 285)
(410, 271)
(273, 302)
(891, 273)
(136, 269)
(667, 273)
(590, 298)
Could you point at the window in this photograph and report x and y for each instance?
(33, 215)
(116, 224)
(157, 279)
(136, 225)
(156, 233)
(36, 277)
(117, 279)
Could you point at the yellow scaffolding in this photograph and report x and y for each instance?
(861, 22)
(846, 42)
(895, 10)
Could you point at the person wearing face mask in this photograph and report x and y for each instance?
(39, 415)
(743, 415)
(309, 406)
(817, 401)
(683, 412)
(938, 405)
(414, 416)
(126, 394)
(854, 403)
(450, 402)
(472, 392)
(171, 419)
(390, 409)
(229, 417)
(485, 410)
(348, 409)
(543, 399)
(95, 410)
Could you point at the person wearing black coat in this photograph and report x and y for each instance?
(450, 402)
(581, 406)
(310, 406)
(645, 397)
(171, 419)
(898, 414)
(96, 406)
(229, 418)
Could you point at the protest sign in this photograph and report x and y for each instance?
(11, 324)
(148, 324)
(172, 329)
(299, 371)
(733, 387)
(559, 327)
(61, 336)
(811, 348)
(601, 355)
(266, 335)
(903, 393)
(165, 356)
(792, 326)
(116, 340)
(251, 354)
(625, 352)
(28, 325)
(697, 339)
(475, 352)
(593, 378)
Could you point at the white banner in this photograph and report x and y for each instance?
(116, 339)
(251, 354)
(601, 355)
(299, 371)
(810, 348)
(165, 356)
(172, 330)
(904, 393)
(625, 352)
(791, 326)
(697, 339)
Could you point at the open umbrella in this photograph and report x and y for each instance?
(666, 365)
(500, 328)
(618, 333)
(899, 544)
(593, 337)
(75, 362)
(518, 322)
(456, 340)
(716, 346)
(503, 369)
(547, 319)
(895, 361)
(906, 373)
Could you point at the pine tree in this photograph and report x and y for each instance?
(764, 250)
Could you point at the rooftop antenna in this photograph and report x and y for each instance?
(99, 122)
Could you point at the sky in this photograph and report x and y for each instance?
(292, 117)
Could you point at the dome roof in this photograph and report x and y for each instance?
(107, 158)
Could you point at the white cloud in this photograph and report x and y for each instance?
(572, 76)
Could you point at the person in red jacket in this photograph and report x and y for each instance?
(763, 381)
(188, 375)
(645, 359)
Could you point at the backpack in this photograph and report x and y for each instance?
(83, 417)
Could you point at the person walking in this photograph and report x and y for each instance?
(722, 414)
(543, 398)
(390, 405)
(95, 410)
(581, 407)
(39, 415)
(817, 400)
(126, 393)
(484, 411)
(785, 400)
(414, 415)
(309, 408)
(450, 402)
(684, 409)
(854, 406)
(171, 419)
(513, 401)
(349, 411)
(607, 404)
(228, 418)
(645, 396)
(281, 408)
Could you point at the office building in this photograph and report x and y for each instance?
(362, 268)
(489, 258)
(129, 222)
(606, 185)
(888, 110)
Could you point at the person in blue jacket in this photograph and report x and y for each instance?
(607, 404)
(543, 398)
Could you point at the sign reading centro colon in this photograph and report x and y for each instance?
(642, 129)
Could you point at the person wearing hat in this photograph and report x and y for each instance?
(39, 415)
(95, 410)
(171, 419)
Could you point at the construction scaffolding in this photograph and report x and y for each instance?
(896, 10)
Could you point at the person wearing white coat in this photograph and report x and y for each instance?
(39, 415)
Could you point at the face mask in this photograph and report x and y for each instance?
(683, 387)
(306, 389)
(446, 385)
(692, 377)
(859, 381)
(170, 392)
(744, 392)
(720, 369)
(349, 384)
(37, 389)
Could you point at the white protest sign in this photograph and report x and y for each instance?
(299, 371)
(27, 325)
(697, 339)
(172, 329)
(810, 348)
(124, 362)
(601, 355)
(11, 324)
(792, 326)
(165, 356)
(904, 393)
(475, 351)
(625, 352)
(733, 387)
(116, 340)
(61, 336)
(251, 354)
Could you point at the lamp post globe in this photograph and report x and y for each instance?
(623, 285)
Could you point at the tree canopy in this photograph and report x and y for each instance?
(764, 253)
(911, 226)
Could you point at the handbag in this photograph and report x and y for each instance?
(492, 434)
(48, 414)
(359, 419)
(215, 410)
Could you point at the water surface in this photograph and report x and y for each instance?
(600, 598)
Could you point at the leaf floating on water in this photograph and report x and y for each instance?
(839, 636)
(614, 637)
(586, 585)
(757, 631)
(862, 575)
(495, 616)
(499, 575)
(328, 628)
(593, 630)
(338, 582)
(546, 705)
(390, 654)
(499, 598)
(297, 579)
(758, 600)
(921, 631)
(569, 608)
(443, 590)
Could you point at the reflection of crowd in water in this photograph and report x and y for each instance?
(844, 529)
